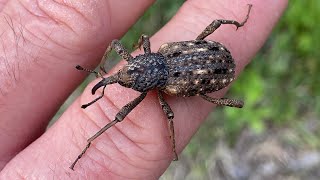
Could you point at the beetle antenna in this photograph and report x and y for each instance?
(104, 82)
(95, 100)
(98, 74)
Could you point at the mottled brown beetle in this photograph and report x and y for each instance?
(185, 68)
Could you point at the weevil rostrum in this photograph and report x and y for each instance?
(187, 68)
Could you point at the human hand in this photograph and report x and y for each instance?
(41, 46)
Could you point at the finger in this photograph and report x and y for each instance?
(2, 4)
(40, 44)
(139, 147)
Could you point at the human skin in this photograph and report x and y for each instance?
(38, 53)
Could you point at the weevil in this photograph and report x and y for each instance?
(187, 68)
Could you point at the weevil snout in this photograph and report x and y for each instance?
(104, 82)
(123, 77)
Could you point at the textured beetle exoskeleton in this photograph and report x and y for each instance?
(186, 68)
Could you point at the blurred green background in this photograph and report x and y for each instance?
(280, 87)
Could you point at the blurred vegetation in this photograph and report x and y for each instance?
(280, 87)
(282, 84)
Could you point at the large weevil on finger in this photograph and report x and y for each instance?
(187, 68)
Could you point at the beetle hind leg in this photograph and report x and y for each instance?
(223, 101)
(217, 23)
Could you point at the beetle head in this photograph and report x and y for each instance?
(123, 77)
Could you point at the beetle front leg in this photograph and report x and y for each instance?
(119, 117)
(144, 41)
(169, 113)
(223, 101)
(217, 23)
(119, 49)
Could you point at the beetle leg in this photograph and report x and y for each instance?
(217, 23)
(125, 110)
(223, 101)
(144, 41)
(120, 50)
(169, 113)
